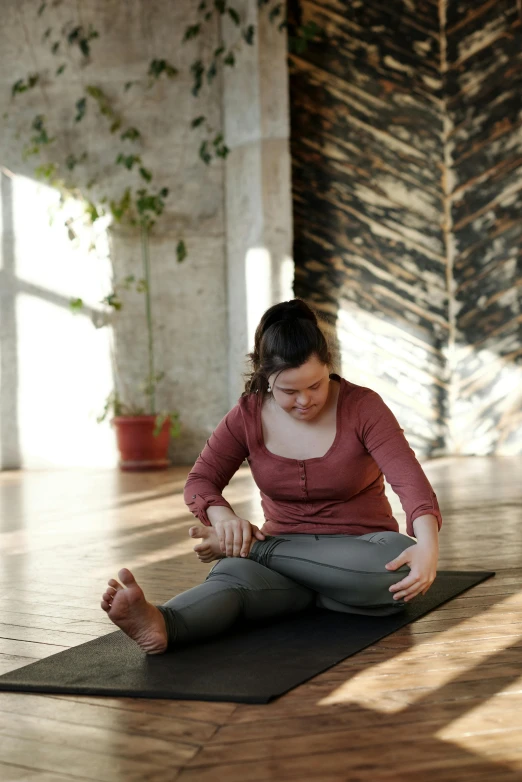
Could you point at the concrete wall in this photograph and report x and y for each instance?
(234, 216)
(257, 185)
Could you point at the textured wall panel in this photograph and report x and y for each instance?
(483, 81)
(406, 164)
(369, 244)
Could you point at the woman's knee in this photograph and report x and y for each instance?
(389, 537)
(374, 588)
(391, 545)
(261, 591)
(235, 568)
(247, 573)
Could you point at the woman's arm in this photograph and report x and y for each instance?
(221, 457)
(384, 439)
(223, 454)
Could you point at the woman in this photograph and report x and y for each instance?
(319, 448)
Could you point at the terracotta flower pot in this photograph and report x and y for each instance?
(139, 449)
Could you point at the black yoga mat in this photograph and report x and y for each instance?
(248, 664)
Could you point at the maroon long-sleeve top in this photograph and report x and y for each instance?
(340, 492)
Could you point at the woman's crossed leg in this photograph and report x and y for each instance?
(283, 575)
(347, 571)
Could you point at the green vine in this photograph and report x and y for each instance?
(23, 85)
(299, 37)
(139, 206)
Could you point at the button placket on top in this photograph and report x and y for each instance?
(302, 481)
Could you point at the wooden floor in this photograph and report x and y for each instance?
(441, 699)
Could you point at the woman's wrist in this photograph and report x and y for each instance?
(426, 530)
(220, 513)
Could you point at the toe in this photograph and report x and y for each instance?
(126, 576)
(113, 583)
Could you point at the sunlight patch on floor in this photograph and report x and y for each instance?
(479, 729)
(376, 686)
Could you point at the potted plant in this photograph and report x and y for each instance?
(142, 430)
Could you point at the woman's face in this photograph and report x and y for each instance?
(302, 392)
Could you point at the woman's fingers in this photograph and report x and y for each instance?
(220, 532)
(406, 595)
(412, 594)
(221, 538)
(257, 532)
(406, 586)
(416, 589)
(229, 540)
(406, 583)
(238, 538)
(247, 537)
(235, 536)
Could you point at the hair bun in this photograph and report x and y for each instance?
(292, 310)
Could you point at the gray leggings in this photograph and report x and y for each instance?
(286, 574)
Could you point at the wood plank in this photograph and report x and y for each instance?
(36, 650)
(453, 678)
(421, 757)
(12, 773)
(106, 767)
(43, 635)
(203, 713)
(99, 739)
(309, 743)
(248, 726)
(168, 724)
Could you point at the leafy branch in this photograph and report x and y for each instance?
(141, 205)
(105, 107)
(23, 85)
(299, 37)
(138, 206)
(80, 37)
(157, 67)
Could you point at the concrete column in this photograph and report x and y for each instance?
(258, 200)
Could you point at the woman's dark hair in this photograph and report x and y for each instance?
(288, 335)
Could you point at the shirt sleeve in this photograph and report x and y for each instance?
(384, 439)
(223, 454)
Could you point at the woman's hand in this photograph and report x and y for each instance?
(423, 571)
(235, 535)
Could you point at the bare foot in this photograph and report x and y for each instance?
(208, 550)
(139, 619)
